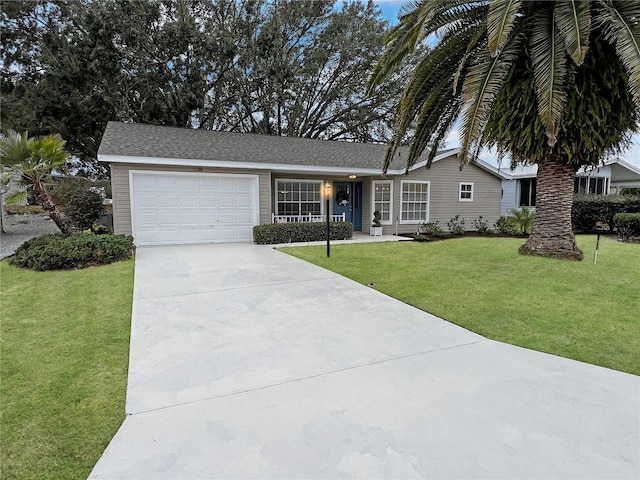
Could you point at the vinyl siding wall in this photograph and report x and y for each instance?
(444, 177)
(122, 198)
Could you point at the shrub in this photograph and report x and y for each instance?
(79, 250)
(80, 205)
(522, 220)
(419, 237)
(377, 216)
(590, 213)
(100, 229)
(433, 229)
(271, 233)
(627, 225)
(456, 225)
(481, 226)
(503, 225)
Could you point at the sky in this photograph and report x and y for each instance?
(390, 10)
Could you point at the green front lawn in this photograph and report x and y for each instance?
(572, 309)
(65, 345)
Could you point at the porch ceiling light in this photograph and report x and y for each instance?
(353, 176)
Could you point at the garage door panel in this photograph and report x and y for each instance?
(175, 208)
(227, 184)
(164, 182)
(244, 234)
(166, 201)
(210, 185)
(188, 200)
(244, 201)
(227, 201)
(207, 200)
(244, 218)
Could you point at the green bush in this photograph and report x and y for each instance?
(503, 225)
(481, 226)
(271, 233)
(591, 213)
(80, 206)
(521, 220)
(79, 250)
(627, 225)
(432, 229)
(456, 225)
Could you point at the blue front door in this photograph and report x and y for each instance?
(347, 199)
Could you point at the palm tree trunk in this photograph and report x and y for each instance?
(48, 206)
(552, 235)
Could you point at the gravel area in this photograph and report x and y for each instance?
(20, 228)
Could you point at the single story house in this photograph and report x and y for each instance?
(174, 185)
(519, 185)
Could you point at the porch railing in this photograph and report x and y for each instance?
(306, 218)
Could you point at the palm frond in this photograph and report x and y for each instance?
(501, 21)
(400, 42)
(421, 20)
(429, 90)
(16, 198)
(14, 148)
(573, 19)
(481, 87)
(429, 134)
(619, 21)
(548, 56)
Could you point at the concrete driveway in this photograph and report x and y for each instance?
(248, 363)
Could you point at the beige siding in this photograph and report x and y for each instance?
(444, 177)
(122, 199)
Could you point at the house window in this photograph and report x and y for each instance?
(466, 192)
(528, 192)
(592, 185)
(382, 200)
(414, 202)
(298, 197)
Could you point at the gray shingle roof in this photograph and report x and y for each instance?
(143, 140)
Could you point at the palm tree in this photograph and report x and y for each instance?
(552, 83)
(32, 160)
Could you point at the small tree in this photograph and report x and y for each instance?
(32, 160)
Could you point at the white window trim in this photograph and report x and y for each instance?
(305, 180)
(373, 200)
(415, 222)
(460, 199)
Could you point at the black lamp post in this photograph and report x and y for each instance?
(327, 196)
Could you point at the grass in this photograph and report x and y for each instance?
(573, 309)
(65, 344)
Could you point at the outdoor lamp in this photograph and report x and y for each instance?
(327, 195)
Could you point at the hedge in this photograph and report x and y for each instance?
(271, 233)
(627, 225)
(591, 213)
(79, 250)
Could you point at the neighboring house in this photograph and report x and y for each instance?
(173, 185)
(519, 185)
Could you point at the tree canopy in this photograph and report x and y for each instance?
(295, 68)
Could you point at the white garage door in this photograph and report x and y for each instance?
(174, 208)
